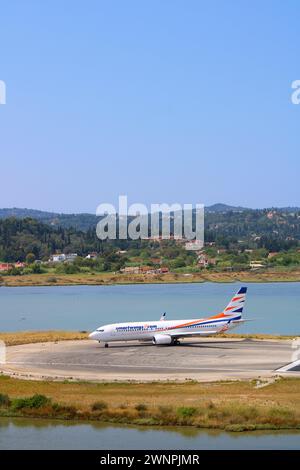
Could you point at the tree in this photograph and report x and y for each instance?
(30, 258)
(177, 263)
(36, 269)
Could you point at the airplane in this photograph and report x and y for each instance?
(169, 332)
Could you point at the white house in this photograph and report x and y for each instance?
(58, 258)
(61, 257)
(71, 256)
(92, 255)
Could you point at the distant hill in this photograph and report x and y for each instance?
(22, 213)
(79, 221)
(215, 213)
(287, 210)
(56, 216)
(223, 208)
(25, 231)
(219, 207)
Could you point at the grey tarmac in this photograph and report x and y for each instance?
(207, 359)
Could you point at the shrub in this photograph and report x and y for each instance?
(67, 268)
(52, 279)
(4, 400)
(64, 411)
(210, 405)
(99, 406)
(165, 409)
(19, 403)
(30, 258)
(141, 407)
(36, 401)
(15, 271)
(36, 269)
(280, 412)
(249, 413)
(186, 411)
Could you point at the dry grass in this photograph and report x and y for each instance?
(254, 276)
(26, 337)
(257, 336)
(110, 278)
(283, 392)
(228, 405)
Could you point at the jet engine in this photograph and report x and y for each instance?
(161, 339)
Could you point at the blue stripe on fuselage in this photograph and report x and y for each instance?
(224, 319)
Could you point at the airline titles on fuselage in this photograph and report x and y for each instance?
(137, 328)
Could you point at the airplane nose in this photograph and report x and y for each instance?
(93, 335)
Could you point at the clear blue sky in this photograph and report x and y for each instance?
(162, 100)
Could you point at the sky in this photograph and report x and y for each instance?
(162, 101)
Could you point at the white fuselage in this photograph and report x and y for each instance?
(147, 331)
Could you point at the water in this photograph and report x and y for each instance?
(274, 306)
(46, 434)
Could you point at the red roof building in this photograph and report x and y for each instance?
(5, 266)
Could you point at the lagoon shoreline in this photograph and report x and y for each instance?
(242, 406)
(95, 279)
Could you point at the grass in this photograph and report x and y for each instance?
(233, 406)
(27, 337)
(267, 275)
(99, 406)
(257, 336)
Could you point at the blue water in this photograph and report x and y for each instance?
(274, 306)
(47, 434)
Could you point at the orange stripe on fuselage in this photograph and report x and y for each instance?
(187, 324)
(214, 317)
(219, 315)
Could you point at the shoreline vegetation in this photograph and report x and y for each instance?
(96, 279)
(29, 337)
(230, 406)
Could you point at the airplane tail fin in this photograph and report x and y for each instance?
(237, 303)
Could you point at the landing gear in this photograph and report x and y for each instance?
(176, 342)
(106, 345)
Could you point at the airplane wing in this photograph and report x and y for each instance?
(223, 329)
(243, 320)
(191, 333)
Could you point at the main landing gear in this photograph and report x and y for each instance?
(176, 342)
(106, 345)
